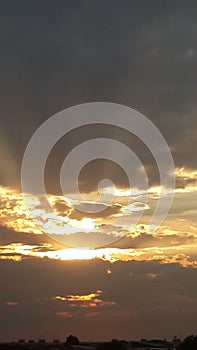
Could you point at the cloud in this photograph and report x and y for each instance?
(91, 300)
(183, 255)
(165, 245)
(186, 179)
(107, 213)
(139, 77)
(87, 297)
(64, 314)
(42, 316)
(189, 213)
(75, 228)
(11, 303)
(8, 236)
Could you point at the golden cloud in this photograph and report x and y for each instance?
(184, 255)
(186, 180)
(87, 300)
(171, 244)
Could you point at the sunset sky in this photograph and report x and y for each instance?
(95, 275)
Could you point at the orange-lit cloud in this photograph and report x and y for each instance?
(165, 255)
(12, 303)
(151, 275)
(175, 241)
(87, 297)
(186, 180)
(14, 213)
(64, 314)
(85, 301)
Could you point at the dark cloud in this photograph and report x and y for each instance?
(183, 182)
(8, 236)
(109, 238)
(79, 213)
(107, 213)
(142, 54)
(61, 208)
(159, 240)
(85, 240)
(131, 288)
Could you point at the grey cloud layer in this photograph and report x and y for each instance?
(142, 54)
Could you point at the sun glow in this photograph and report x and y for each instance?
(15, 217)
(87, 223)
(77, 254)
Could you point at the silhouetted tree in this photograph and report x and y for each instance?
(189, 343)
(113, 345)
(72, 340)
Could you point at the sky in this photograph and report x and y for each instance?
(97, 275)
